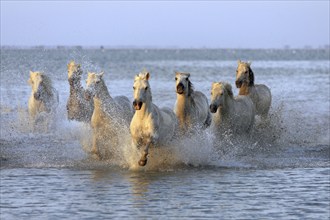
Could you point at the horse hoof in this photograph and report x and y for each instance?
(142, 163)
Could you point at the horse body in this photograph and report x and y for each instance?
(78, 108)
(109, 115)
(44, 97)
(230, 114)
(191, 107)
(150, 125)
(260, 94)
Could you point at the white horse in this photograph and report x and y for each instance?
(44, 97)
(150, 125)
(110, 115)
(230, 114)
(78, 108)
(260, 94)
(191, 107)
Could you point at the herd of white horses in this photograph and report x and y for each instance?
(147, 124)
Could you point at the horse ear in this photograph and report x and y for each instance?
(147, 76)
(249, 63)
(31, 73)
(101, 74)
(136, 77)
(239, 62)
(188, 75)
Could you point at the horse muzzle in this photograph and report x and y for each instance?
(36, 95)
(137, 105)
(238, 83)
(213, 108)
(88, 95)
(180, 88)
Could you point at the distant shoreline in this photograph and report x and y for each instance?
(325, 47)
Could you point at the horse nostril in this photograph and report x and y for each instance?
(137, 105)
(213, 108)
(36, 95)
(238, 83)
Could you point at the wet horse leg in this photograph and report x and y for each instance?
(95, 149)
(144, 159)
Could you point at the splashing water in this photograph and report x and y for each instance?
(293, 129)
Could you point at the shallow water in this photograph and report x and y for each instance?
(186, 193)
(282, 170)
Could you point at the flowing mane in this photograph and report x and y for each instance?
(190, 88)
(251, 77)
(47, 82)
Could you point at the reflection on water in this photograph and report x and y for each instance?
(190, 193)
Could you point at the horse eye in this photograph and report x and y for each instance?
(211, 93)
(176, 78)
(146, 88)
(133, 87)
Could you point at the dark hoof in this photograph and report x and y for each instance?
(142, 163)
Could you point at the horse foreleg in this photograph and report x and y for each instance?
(144, 159)
(95, 149)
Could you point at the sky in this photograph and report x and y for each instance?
(182, 24)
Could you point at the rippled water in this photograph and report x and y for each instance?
(281, 171)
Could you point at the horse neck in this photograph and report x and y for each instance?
(184, 105)
(75, 82)
(102, 94)
(245, 89)
(224, 112)
(75, 86)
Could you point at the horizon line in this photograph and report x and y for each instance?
(102, 47)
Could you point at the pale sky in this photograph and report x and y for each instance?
(184, 24)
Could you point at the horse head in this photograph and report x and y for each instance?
(142, 92)
(74, 72)
(38, 82)
(183, 84)
(219, 93)
(244, 74)
(92, 84)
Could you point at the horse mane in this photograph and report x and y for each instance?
(48, 84)
(190, 88)
(251, 77)
(228, 88)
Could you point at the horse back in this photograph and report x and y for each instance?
(125, 106)
(245, 112)
(168, 125)
(202, 108)
(264, 98)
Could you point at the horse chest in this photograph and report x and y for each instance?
(99, 117)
